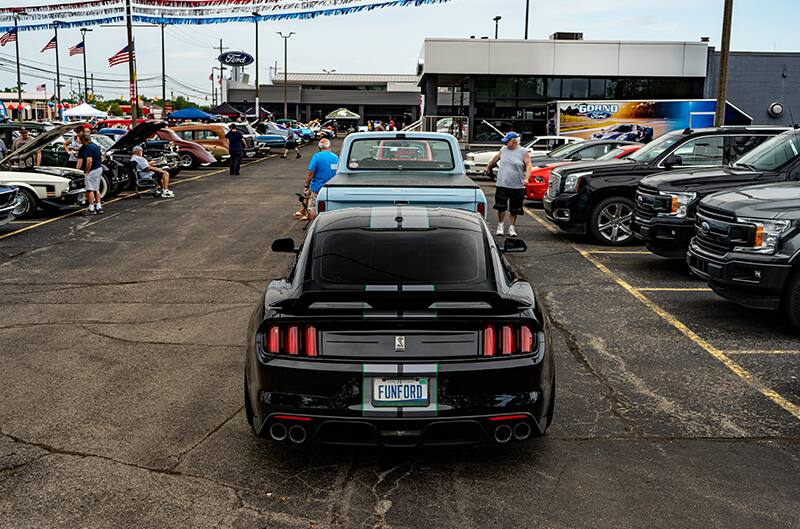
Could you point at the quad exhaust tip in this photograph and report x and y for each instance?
(503, 433)
(297, 434)
(522, 431)
(278, 431)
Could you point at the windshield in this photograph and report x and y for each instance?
(655, 148)
(773, 153)
(400, 154)
(565, 151)
(371, 257)
(103, 141)
(613, 154)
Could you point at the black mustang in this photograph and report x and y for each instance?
(399, 326)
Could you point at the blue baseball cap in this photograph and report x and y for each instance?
(510, 136)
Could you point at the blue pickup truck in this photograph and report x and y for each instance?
(404, 169)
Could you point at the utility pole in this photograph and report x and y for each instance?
(163, 75)
(85, 84)
(527, 16)
(221, 70)
(213, 90)
(19, 78)
(131, 65)
(285, 72)
(722, 86)
(258, 102)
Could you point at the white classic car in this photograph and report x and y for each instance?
(476, 162)
(48, 187)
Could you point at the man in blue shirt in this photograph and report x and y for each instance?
(321, 169)
(90, 161)
(235, 149)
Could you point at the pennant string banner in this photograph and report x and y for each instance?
(187, 12)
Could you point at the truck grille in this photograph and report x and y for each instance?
(718, 232)
(554, 185)
(649, 203)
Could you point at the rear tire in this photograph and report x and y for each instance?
(105, 187)
(611, 221)
(791, 299)
(27, 203)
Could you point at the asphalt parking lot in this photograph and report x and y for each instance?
(122, 343)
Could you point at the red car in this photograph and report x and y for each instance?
(536, 186)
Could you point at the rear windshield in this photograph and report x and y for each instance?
(400, 154)
(393, 257)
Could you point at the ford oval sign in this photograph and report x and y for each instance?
(236, 58)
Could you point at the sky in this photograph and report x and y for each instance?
(389, 40)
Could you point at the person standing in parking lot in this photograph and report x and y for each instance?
(321, 169)
(90, 160)
(235, 149)
(513, 170)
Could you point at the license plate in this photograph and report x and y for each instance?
(400, 391)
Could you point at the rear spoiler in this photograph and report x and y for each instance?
(393, 298)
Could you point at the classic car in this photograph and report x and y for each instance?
(271, 135)
(304, 133)
(162, 153)
(401, 168)
(8, 201)
(209, 135)
(191, 155)
(476, 162)
(362, 344)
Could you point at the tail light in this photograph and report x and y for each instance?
(292, 340)
(513, 339)
(321, 206)
(481, 208)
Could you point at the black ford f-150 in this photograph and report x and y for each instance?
(598, 197)
(666, 202)
(748, 246)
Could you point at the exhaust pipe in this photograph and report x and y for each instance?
(503, 433)
(522, 431)
(277, 431)
(297, 434)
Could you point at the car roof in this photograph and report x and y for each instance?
(589, 143)
(402, 218)
(730, 129)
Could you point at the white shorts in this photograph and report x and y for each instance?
(92, 182)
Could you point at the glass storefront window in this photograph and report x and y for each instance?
(572, 88)
(554, 88)
(597, 89)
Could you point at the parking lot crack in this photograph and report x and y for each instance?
(211, 432)
(100, 334)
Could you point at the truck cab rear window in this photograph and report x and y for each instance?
(395, 257)
(411, 154)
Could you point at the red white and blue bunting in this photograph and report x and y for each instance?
(186, 12)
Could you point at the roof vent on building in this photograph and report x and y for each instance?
(705, 39)
(566, 35)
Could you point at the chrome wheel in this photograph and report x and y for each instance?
(25, 204)
(187, 161)
(614, 222)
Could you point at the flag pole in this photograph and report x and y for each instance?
(19, 79)
(58, 70)
(131, 65)
(85, 83)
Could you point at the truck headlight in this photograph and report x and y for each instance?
(572, 181)
(768, 235)
(679, 203)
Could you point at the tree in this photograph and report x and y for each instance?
(114, 109)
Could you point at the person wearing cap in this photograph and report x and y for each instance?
(24, 138)
(235, 149)
(514, 166)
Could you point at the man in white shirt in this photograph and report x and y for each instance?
(144, 165)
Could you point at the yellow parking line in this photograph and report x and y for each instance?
(718, 354)
(620, 252)
(549, 227)
(122, 197)
(764, 352)
(674, 289)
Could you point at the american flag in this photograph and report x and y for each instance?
(50, 45)
(120, 57)
(10, 36)
(76, 49)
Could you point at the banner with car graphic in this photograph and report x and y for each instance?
(639, 121)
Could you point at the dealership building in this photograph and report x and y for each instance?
(507, 84)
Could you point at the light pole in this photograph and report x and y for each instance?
(285, 72)
(258, 101)
(722, 86)
(527, 16)
(497, 26)
(58, 69)
(19, 78)
(85, 84)
(163, 75)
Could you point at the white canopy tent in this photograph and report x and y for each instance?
(84, 110)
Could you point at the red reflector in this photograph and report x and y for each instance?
(526, 340)
(489, 341)
(508, 339)
(274, 339)
(320, 206)
(293, 341)
(311, 341)
(508, 417)
(481, 208)
(291, 418)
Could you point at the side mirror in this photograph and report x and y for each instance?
(514, 245)
(284, 245)
(672, 160)
(576, 158)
